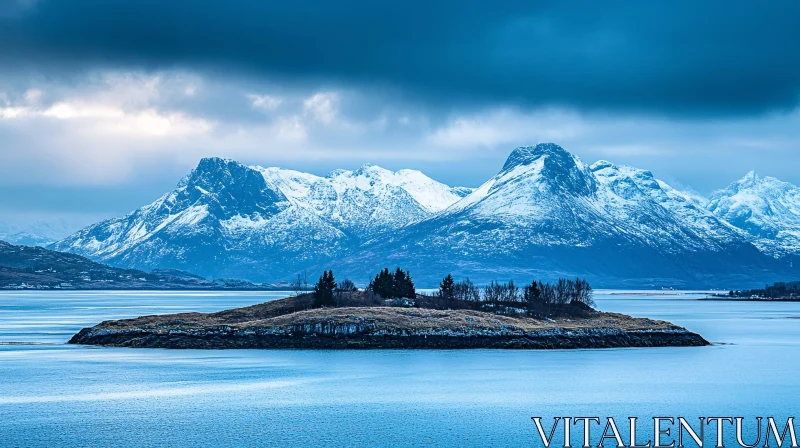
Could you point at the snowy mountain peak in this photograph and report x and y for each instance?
(215, 167)
(230, 188)
(214, 162)
(766, 208)
(756, 184)
(748, 181)
(555, 169)
(367, 199)
(370, 170)
(762, 185)
(531, 185)
(335, 173)
(600, 165)
(526, 155)
(209, 167)
(749, 178)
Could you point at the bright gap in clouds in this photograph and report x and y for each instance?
(136, 128)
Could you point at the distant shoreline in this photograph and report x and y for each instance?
(746, 299)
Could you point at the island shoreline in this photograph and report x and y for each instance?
(183, 342)
(277, 325)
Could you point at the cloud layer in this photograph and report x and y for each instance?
(126, 96)
(678, 57)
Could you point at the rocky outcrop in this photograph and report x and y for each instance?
(383, 327)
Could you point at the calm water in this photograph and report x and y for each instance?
(52, 394)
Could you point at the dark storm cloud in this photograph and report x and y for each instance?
(663, 57)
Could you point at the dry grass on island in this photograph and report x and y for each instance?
(461, 315)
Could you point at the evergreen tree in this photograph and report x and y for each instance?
(411, 290)
(447, 287)
(323, 290)
(382, 284)
(399, 283)
(404, 284)
(388, 285)
(532, 296)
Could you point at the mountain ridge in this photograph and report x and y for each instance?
(544, 213)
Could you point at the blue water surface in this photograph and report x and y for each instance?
(53, 394)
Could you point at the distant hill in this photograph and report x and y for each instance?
(26, 267)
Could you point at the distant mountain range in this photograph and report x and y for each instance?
(38, 233)
(545, 214)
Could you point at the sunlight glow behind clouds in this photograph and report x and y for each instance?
(107, 128)
(98, 118)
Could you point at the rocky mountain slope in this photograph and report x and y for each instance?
(227, 219)
(546, 214)
(366, 201)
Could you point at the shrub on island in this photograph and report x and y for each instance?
(387, 288)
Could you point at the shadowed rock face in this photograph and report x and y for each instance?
(560, 170)
(276, 325)
(239, 190)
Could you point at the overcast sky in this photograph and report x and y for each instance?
(105, 105)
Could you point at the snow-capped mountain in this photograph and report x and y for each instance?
(569, 203)
(764, 207)
(672, 219)
(366, 201)
(545, 214)
(227, 219)
(37, 233)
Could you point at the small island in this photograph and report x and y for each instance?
(389, 314)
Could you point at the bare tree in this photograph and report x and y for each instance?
(491, 295)
(297, 285)
(583, 292)
(466, 291)
(562, 296)
(345, 293)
